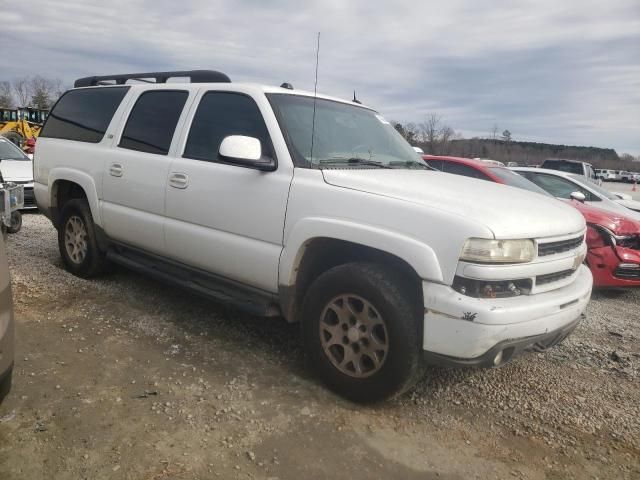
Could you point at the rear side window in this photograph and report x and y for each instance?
(465, 170)
(83, 115)
(153, 121)
(219, 115)
(437, 164)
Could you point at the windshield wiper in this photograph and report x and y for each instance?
(352, 161)
(410, 164)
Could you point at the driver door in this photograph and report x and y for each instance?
(222, 218)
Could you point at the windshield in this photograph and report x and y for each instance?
(8, 151)
(343, 135)
(514, 180)
(594, 187)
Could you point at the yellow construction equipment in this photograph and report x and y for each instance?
(21, 124)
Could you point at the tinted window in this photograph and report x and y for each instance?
(219, 115)
(83, 115)
(557, 186)
(460, 169)
(569, 167)
(513, 179)
(153, 121)
(437, 164)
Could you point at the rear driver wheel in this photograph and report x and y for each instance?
(77, 240)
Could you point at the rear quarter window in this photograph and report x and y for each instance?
(83, 115)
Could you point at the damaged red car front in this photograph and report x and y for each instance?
(614, 248)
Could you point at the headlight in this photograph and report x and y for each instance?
(482, 250)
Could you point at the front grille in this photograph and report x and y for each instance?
(632, 242)
(553, 277)
(628, 273)
(552, 248)
(29, 197)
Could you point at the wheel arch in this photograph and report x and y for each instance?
(306, 257)
(66, 184)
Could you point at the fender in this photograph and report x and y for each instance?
(417, 254)
(84, 180)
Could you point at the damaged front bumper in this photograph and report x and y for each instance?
(468, 331)
(614, 266)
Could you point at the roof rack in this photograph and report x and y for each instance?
(196, 76)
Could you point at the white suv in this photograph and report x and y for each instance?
(314, 209)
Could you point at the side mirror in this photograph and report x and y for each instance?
(579, 196)
(245, 151)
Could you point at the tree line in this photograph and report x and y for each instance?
(437, 138)
(35, 91)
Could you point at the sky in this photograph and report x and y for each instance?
(556, 71)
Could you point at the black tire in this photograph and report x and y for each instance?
(388, 293)
(16, 223)
(15, 138)
(85, 263)
(5, 384)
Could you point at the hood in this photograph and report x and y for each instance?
(507, 211)
(16, 170)
(613, 221)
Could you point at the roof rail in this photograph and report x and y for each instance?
(196, 76)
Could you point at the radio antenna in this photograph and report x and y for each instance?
(315, 96)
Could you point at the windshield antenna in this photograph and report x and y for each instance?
(315, 95)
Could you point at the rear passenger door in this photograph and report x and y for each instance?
(223, 218)
(136, 170)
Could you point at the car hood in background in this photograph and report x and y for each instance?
(616, 222)
(623, 196)
(631, 204)
(16, 170)
(508, 212)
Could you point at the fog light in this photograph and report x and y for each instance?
(498, 359)
(513, 289)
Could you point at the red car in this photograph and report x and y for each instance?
(613, 241)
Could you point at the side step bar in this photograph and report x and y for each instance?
(245, 298)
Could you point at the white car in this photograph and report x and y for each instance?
(17, 167)
(314, 209)
(608, 175)
(562, 185)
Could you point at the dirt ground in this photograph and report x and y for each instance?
(126, 378)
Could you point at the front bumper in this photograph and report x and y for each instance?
(614, 267)
(466, 328)
(506, 350)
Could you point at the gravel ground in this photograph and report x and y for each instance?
(124, 377)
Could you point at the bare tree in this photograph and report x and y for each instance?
(21, 89)
(41, 92)
(430, 130)
(494, 131)
(6, 95)
(446, 134)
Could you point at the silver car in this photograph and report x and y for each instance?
(6, 320)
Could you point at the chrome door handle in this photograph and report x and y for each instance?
(115, 170)
(179, 180)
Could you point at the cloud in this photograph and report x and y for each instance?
(566, 72)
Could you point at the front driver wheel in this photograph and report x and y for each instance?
(360, 330)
